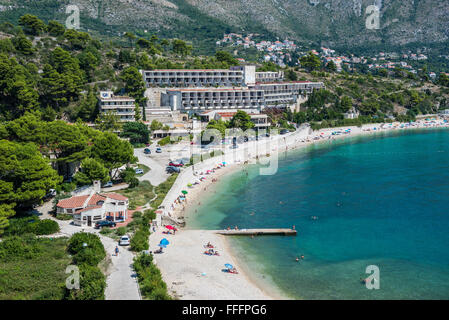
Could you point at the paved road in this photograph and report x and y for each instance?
(157, 174)
(122, 281)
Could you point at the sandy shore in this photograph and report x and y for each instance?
(188, 272)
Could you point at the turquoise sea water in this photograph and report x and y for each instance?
(381, 200)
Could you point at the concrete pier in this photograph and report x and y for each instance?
(257, 232)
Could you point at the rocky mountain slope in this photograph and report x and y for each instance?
(325, 22)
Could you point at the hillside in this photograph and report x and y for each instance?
(336, 23)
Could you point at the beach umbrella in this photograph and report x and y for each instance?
(189, 184)
(184, 192)
(170, 227)
(164, 242)
(224, 162)
(229, 266)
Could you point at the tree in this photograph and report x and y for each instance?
(443, 80)
(25, 176)
(143, 43)
(54, 28)
(181, 47)
(129, 176)
(156, 125)
(346, 103)
(87, 108)
(310, 62)
(137, 132)
(131, 36)
(134, 84)
(23, 44)
(108, 121)
(331, 66)
(226, 57)
(241, 120)
(112, 151)
(65, 143)
(92, 284)
(91, 170)
(291, 75)
(6, 211)
(77, 39)
(17, 88)
(32, 25)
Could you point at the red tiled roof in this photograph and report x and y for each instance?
(73, 202)
(95, 198)
(87, 209)
(115, 196)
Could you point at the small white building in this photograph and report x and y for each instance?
(352, 114)
(89, 209)
(122, 106)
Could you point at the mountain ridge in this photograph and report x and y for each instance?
(334, 23)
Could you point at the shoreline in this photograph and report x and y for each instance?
(295, 141)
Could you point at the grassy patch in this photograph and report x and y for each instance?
(37, 276)
(140, 195)
(162, 190)
(144, 168)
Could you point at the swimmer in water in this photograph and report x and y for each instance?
(297, 259)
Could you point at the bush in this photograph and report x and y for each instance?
(92, 284)
(93, 252)
(14, 247)
(64, 216)
(31, 224)
(120, 231)
(45, 226)
(137, 214)
(139, 241)
(105, 231)
(150, 280)
(87, 256)
(151, 214)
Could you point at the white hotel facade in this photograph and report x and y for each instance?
(122, 106)
(240, 87)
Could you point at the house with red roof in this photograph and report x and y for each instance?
(94, 207)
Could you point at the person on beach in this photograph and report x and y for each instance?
(116, 251)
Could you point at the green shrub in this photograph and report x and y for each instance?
(151, 214)
(87, 256)
(150, 280)
(105, 231)
(137, 214)
(44, 227)
(31, 224)
(92, 285)
(139, 241)
(96, 250)
(64, 216)
(13, 247)
(120, 231)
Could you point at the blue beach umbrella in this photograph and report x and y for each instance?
(229, 266)
(164, 242)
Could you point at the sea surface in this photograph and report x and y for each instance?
(380, 200)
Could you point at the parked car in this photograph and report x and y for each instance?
(147, 151)
(139, 171)
(124, 241)
(107, 184)
(158, 150)
(171, 169)
(284, 131)
(175, 164)
(104, 223)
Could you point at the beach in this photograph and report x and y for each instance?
(188, 272)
